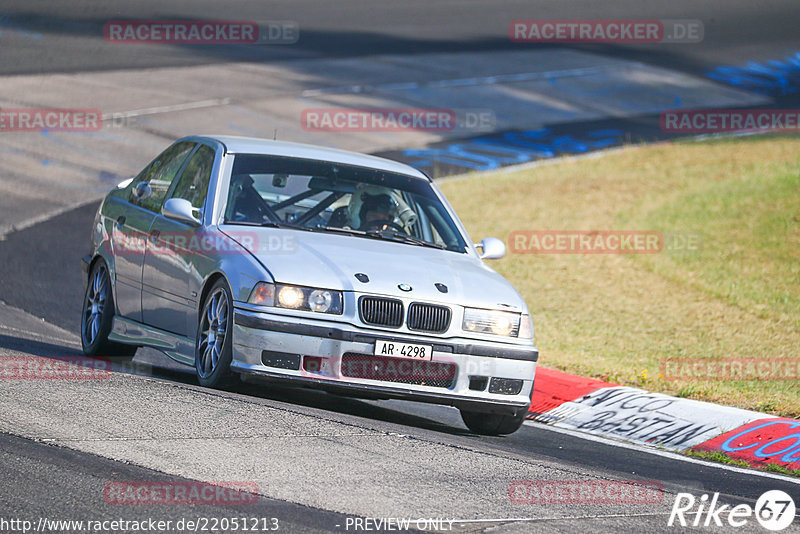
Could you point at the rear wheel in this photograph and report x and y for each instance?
(97, 316)
(213, 349)
(490, 424)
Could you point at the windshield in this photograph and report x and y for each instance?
(323, 196)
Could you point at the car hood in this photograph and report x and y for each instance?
(331, 261)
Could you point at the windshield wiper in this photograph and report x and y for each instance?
(403, 238)
(395, 236)
(339, 230)
(271, 224)
(378, 234)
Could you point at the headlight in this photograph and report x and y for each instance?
(296, 298)
(320, 300)
(491, 322)
(290, 297)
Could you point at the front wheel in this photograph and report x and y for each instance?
(490, 424)
(97, 316)
(213, 349)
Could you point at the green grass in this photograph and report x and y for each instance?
(618, 317)
(721, 457)
(775, 468)
(748, 229)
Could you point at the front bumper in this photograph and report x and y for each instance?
(280, 347)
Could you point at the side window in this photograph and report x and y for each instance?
(159, 175)
(193, 183)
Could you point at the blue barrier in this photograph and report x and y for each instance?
(491, 152)
(773, 77)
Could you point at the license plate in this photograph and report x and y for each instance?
(403, 350)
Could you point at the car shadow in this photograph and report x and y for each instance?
(299, 396)
(37, 348)
(313, 398)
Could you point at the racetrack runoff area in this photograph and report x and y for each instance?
(708, 315)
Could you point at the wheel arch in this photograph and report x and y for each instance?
(94, 261)
(208, 284)
(112, 275)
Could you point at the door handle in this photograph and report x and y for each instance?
(154, 235)
(120, 221)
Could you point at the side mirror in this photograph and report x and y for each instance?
(142, 191)
(491, 248)
(180, 209)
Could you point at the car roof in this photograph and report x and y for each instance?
(253, 145)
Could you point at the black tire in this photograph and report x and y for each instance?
(97, 315)
(212, 357)
(490, 424)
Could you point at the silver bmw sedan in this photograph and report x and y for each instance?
(312, 266)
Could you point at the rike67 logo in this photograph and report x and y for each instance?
(774, 510)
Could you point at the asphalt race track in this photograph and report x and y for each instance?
(352, 28)
(319, 461)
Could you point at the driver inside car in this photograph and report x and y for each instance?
(377, 212)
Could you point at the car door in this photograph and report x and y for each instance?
(174, 250)
(132, 215)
